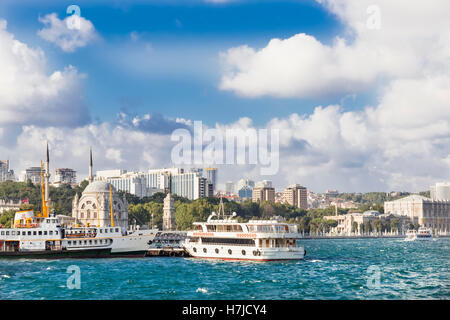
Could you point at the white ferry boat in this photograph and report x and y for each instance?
(44, 237)
(223, 237)
(421, 234)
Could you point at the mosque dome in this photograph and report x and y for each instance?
(99, 186)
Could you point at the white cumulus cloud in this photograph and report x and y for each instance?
(70, 33)
(413, 40)
(29, 95)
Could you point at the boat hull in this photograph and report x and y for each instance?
(245, 253)
(58, 254)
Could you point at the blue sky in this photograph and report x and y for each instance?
(137, 70)
(180, 74)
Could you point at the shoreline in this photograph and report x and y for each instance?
(363, 237)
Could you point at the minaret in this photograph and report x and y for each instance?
(90, 178)
(47, 175)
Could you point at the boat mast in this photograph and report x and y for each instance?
(110, 201)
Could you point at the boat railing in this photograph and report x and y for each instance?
(28, 225)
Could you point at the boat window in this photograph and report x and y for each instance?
(56, 232)
(13, 233)
(45, 233)
(40, 233)
(101, 230)
(117, 229)
(29, 233)
(95, 241)
(3, 233)
(111, 230)
(211, 228)
(69, 243)
(237, 228)
(50, 232)
(106, 230)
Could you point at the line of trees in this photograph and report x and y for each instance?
(149, 210)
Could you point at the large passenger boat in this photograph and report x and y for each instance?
(223, 237)
(45, 237)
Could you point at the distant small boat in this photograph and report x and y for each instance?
(422, 234)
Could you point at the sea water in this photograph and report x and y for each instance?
(332, 269)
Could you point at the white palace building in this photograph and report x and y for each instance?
(434, 214)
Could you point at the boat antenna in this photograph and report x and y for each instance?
(110, 200)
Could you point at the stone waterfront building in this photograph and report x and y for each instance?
(434, 214)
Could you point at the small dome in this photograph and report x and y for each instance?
(99, 186)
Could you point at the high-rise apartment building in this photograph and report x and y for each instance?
(296, 195)
(5, 173)
(263, 193)
(65, 175)
(211, 176)
(229, 187)
(189, 184)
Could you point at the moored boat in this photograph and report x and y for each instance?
(223, 237)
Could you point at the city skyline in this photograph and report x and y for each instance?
(359, 93)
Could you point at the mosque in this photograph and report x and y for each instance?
(94, 207)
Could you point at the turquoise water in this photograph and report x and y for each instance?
(333, 269)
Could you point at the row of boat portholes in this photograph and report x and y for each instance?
(255, 252)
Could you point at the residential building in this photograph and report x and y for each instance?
(245, 182)
(229, 187)
(440, 191)
(65, 175)
(5, 173)
(188, 184)
(263, 193)
(264, 183)
(245, 192)
(331, 193)
(211, 176)
(34, 174)
(296, 195)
